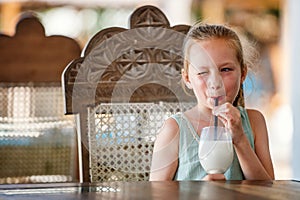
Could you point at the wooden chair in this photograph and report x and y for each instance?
(124, 86)
(37, 141)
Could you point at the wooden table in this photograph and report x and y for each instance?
(281, 189)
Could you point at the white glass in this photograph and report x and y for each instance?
(215, 149)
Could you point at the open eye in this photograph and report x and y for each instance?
(226, 69)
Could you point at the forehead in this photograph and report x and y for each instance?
(211, 52)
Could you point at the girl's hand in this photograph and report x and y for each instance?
(230, 116)
(214, 177)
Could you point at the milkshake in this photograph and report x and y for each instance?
(215, 149)
(215, 156)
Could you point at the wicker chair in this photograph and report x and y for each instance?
(37, 141)
(124, 86)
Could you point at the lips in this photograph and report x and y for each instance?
(220, 99)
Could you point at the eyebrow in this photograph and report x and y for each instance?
(203, 67)
(226, 63)
(200, 67)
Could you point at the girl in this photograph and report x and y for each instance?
(214, 68)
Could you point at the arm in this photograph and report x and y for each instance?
(261, 143)
(165, 153)
(256, 165)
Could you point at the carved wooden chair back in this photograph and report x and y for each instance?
(37, 141)
(127, 82)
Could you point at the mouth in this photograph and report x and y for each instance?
(217, 100)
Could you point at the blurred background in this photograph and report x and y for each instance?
(272, 24)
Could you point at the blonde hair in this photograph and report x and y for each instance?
(204, 31)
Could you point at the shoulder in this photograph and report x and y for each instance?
(250, 112)
(257, 121)
(170, 126)
(255, 116)
(167, 133)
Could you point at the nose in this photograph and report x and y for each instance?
(215, 81)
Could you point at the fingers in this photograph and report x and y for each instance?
(214, 177)
(228, 114)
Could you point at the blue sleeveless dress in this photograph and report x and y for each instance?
(189, 167)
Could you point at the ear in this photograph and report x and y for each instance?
(244, 74)
(186, 79)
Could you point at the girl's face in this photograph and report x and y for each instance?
(213, 72)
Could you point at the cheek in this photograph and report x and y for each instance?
(198, 83)
(199, 86)
(232, 89)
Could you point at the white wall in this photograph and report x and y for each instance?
(292, 54)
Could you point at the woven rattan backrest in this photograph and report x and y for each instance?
(37, 141)
(122, 138)
(123, 87)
